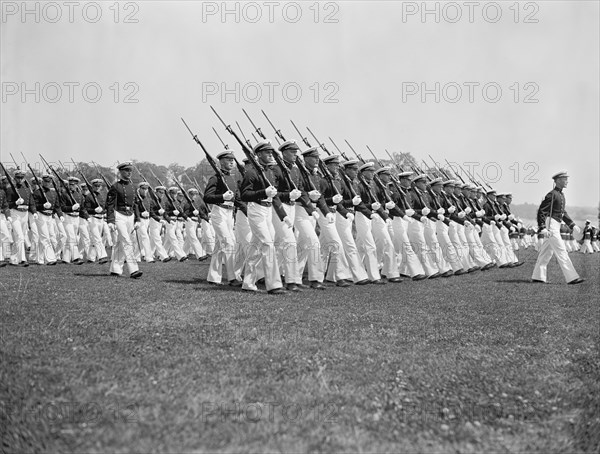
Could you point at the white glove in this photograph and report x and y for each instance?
(228, 195)
(388, 222)
(337, 198)
(314, 195)
(112, 227)
(175, 212)
(425, 211)
(441, 210)
(62, 219)
(98, 210)
(468, 224)
(20, 201)
(461, 214)
(315, 214)
(271, 191)
(161, 212)
(452, 209)
(375, 206)
(389, 205)
(288, 221)
(350, 216)
(195, 212)
(468, 210)
(295, 195)
(544, 233)
(9, 220)
(163, 222)
(497, 217)
(356, 200)
(492, 222)
(441, 217)
(477, 228)
(137, 225)
(512, 229)
(503, 217)
(47, 205)
(35, 216)
(511, 217)
(145, 214)
(410, 212)
(423, 219)
(479, 213)
(519, 225)
(75, 207)
(330, 218)
(576, 229)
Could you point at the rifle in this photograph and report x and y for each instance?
(209, 158)
(65, 186)
(150, 190)
(240, 167)
(247, 151)
(87, 183)
(439, 169)
(242, 132)
(18, 168)
(322, 166)
(166, 191)
(321, 144)
(361, 178)
(12, 184)
(378, 181)
(185, 194)
(395, 181)
(304, 139)
(37, 181)
(284, 169)
(101, 176)
(342, 173)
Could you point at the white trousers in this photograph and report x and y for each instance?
(386, 252)
(554, 245)
(309, 245)
(243, 238)
(262, 248)
(46, 253)
(5, 239)
(287, 247)
(97, 249)
(344, 229)
(224, 252)
(416, 235)
(408, 261)
(332, 251)
(367, 251)
(71, 248)
(156, 244)
(123, 249)
(19, 230)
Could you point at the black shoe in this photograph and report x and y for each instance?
(51, 263)
(135, 274)
(405, 275)
(419, 277)
(363, 282)
(292, 288)
(261, 281)
(340, 283)
(538, 281)
(317, 285)
(433, 276)
(168, 259)
(488, 266)
(203, 258)
(3, 264)
(115, 274)
(471, 270)
(302, 286)
(235, 283)
(394, 280)
(276, 291)
(24, 264)
(103, 261)
(518, 263)
(504, 266)
(447, 273)
(378, 282)
(183, 259)
(576, 281)
(460, 272)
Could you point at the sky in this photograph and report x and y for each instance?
(510, 89)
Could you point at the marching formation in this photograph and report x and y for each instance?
(284, 216)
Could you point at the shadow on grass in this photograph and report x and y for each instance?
(101, 274)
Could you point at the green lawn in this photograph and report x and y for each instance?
(482, 362)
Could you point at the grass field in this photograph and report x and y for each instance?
(482, 362)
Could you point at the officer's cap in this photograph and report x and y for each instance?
(46, 177)
(421, 176)
(143, 185)
(173, 189)
(332, 159)
(407, 174)
(350, 163)
(367, 166)
(160, 188)
(73, 180)
(263, 145)
(561, 174)
(193, 191)
(127, 165)
(435, 181)
(226, 154)
(289, 145)
(19, 173)
(312, 152)
(384, 169)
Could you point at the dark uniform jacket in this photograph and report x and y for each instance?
(24, 193)
(122, 197)
(4, 203)
(554, 206)
(253, 189)
(47, 195)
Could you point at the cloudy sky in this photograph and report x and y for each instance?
(508, 88)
